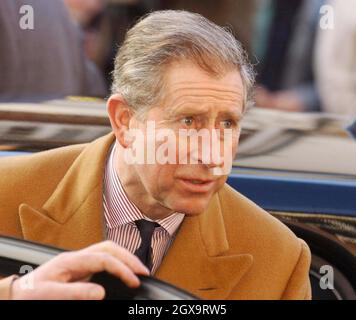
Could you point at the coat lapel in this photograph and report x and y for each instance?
(72, 217)
(199, 259)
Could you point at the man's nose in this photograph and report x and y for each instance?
(210, 150)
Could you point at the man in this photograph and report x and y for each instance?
(335, 69)
(179, 73)
(285, 45)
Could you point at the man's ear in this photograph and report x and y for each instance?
(120, 115)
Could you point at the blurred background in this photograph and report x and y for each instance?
(304, 51)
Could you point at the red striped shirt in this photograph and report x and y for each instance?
(120, 214)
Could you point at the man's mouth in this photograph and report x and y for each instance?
(197, 185)
(197, 181)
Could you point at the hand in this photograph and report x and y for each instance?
(66, 276)
(264, 98)
(288, 101)
(281, 100)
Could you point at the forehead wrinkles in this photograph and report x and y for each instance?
(193, 90)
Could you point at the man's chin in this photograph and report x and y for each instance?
(188, 203)
(192, 208)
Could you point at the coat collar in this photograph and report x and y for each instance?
(72, 218)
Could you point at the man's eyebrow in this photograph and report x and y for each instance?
(237, 115)
(186, 111)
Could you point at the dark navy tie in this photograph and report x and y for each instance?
(144, 252)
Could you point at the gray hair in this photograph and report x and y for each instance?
(163, 37)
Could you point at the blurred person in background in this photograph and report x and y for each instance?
(284, 44)
(105, 31)
(335, 60)
(88, 15)
(45, 62)
(83, 11)
(235, 14)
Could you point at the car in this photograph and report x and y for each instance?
(300, 167)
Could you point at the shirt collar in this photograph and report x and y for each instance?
(121, 210)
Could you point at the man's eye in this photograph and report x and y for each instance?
(227, 124)
(188, 121)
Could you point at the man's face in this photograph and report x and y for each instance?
(193, 100)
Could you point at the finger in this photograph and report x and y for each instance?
(71, 291)
(132, 261)
(78, 265)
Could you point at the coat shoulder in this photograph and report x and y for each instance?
(35, 167)
(238, 210)
(262, 233)
(276, 250)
